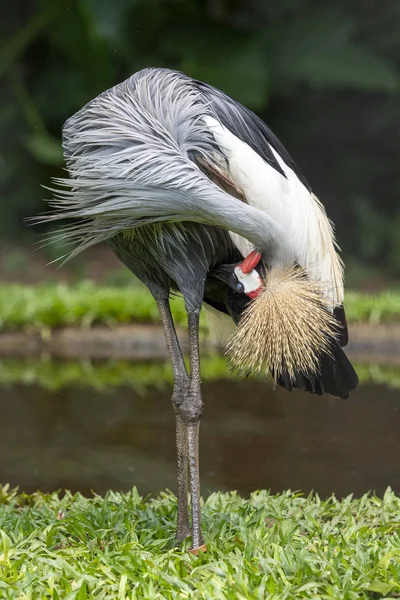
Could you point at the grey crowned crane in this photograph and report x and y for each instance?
(193, 192)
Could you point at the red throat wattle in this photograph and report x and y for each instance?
(255, 293)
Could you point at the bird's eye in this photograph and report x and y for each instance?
(240, 287)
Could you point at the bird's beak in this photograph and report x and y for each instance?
(225, 273)
(251, 261)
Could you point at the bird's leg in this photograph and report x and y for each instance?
(194, 477)
(190, 410)
(182, 527)
(181, 384)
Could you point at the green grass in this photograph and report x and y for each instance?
(50, 306)
(121, 546)
(57, 375)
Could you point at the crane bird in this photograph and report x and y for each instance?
(194, 193)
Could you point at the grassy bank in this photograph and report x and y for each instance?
(50, 306)
(57, 375)
(118, 547)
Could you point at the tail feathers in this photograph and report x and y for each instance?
(336, 376)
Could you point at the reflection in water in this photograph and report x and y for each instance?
(251, 437)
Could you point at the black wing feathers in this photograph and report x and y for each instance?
(336, 376)
(343, 332)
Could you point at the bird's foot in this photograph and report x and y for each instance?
(200, 549)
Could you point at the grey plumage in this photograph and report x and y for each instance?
(173, 256)
(131, 155)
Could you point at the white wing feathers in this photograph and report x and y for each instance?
(290, 204)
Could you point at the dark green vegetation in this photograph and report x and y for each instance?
(48, 306)
(120, 546)
(324, 75)
(56, 375)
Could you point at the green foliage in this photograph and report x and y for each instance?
(378, 234)
(268, 546)
(21, 40)
(236, 64)
(321, 50)
(85, 304)
(57, 375)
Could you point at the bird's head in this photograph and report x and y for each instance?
(243, 279)
(283, 323)
(248, 277)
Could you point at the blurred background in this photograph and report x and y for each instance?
(323, 75)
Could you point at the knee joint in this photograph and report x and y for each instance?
(190, 410)
(179, 392)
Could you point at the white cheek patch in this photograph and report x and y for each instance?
(251, 281)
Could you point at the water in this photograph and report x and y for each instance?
(251, 437)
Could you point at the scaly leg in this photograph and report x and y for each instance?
(190, 410)
(183, 527)
(181, 383)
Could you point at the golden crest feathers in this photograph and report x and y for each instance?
(285, 329)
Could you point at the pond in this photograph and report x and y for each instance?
(68, 425)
